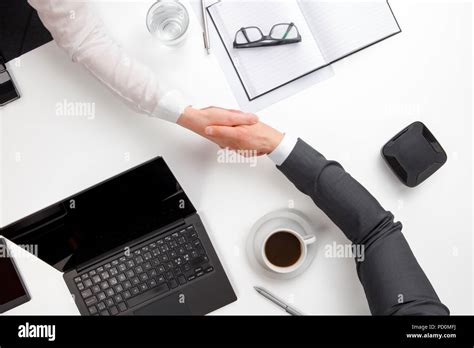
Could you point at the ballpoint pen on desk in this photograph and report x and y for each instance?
(277, 301)
(207, 44)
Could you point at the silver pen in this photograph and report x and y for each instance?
(277, 301)
(207, 43)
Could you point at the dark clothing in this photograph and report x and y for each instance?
(390, 273)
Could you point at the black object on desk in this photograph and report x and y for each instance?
(21, 29)
(414, 154)
(131, 245)
(13, 291)
(8, 91)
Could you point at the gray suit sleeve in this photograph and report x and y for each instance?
(393, 281)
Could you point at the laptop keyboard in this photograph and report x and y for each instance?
(155, 269)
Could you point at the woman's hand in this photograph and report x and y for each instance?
(232, 129)
(258, 137)
(197, 120)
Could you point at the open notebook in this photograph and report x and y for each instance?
(330, 30)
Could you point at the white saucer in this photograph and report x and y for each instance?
(289, 218)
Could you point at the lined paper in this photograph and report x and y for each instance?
(330, 30)
(343, 27)
(263, 69)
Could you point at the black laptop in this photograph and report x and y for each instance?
(132, 245)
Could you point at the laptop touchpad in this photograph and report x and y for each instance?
(173, 304)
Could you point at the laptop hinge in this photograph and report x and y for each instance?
(120, 249)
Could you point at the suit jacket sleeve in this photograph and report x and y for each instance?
(393, 281)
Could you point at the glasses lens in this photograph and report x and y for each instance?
(284, 32)
(240, 38)
(249, 35)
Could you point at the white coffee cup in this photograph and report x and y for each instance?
(304, 242)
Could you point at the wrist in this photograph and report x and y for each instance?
(273, 140)
(188, 117)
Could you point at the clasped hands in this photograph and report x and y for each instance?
(232, 129)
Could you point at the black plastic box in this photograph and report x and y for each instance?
(414, 154)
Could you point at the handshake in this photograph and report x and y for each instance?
(232, 129)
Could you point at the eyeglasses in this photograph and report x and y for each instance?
(281, 34)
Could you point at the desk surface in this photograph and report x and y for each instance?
(423, 74)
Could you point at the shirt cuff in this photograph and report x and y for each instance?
(283, 150)
(170, 107)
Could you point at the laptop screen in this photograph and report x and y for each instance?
(104, 217)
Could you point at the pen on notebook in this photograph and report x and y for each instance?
(276, 301)
(207, 44)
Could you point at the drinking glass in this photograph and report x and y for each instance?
(168, 21)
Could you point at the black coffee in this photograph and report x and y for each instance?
(283, 249)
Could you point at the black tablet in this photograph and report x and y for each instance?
(12, 290)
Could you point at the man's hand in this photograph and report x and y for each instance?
(197, 120)
(258, 137)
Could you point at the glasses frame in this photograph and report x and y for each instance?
(266, 40)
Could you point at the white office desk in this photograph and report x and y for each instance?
(423, 74)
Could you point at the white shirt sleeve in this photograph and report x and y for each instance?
(283, 150)
(77, 30)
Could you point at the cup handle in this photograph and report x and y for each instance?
(309, 239)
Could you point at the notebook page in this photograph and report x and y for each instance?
(266, 68)
(342, 27)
